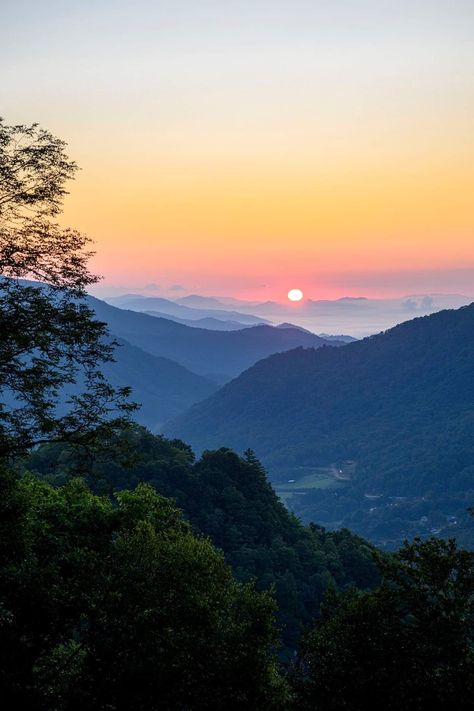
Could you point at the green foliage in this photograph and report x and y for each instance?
(229, 499)
(117, 605)
(409, 644)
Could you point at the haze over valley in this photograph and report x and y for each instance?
(355, 316)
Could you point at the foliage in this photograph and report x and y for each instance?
(117, 605)
(409, 644)
(49, 338)
(229, 499)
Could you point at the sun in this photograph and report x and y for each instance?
(295, 294)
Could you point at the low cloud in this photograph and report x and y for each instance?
(409, 305)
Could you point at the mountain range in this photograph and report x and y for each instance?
(209, 322)
(174, 308)
(223, 354)
(355, 315)
(170, 366)
(391, 415)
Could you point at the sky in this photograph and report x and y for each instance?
(247, 147)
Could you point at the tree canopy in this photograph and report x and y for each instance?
(229, 499)
(408, 644)
(49, 338)
(116, 604)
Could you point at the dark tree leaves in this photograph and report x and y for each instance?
(51, 347)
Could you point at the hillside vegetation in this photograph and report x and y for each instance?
(162, 387)
(394, 411)
(229, 499)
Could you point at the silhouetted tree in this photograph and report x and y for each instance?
(51, 347)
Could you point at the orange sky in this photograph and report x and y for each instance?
(246, 148)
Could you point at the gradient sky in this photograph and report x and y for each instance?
(247, 147)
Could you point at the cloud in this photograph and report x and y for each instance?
(177, 287)
(409, 305)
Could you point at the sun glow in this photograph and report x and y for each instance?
(295, 294)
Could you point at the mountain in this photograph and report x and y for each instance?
(172, 308)
(201, 302)
(211, 324)
(224, 353)
(292, 325)
(326, 336)
(121, 299)
(357, 316)
(389, 416)
(340, 337)
(354, 315)
(162, 387)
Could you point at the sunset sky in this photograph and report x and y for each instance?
(249, 146)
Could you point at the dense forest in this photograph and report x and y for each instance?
(228, 499)
(133, 576)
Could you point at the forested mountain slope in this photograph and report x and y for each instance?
(229, 499)
(161, 387)
(400, 405)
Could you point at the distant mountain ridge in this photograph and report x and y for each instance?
(224, 353)
(326, 336)
(341, 337)
(197, 301)
(358, 316)
(174, 308)
(353, 315)
(209, 323)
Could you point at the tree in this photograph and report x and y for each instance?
(51, 347)
(409, 644)
(118, 605)
(229, 499)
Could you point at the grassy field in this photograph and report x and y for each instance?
(305, 479)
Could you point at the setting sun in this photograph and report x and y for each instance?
(295, 295)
